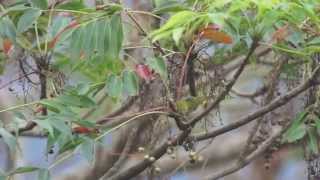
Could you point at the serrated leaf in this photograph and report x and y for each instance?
(45, 124)
(27, 19)
(114, 86)
(25, 169)
(8, 138)
(87, 149)
(44, 174)
(159, 66)
(130, 83)
(42, 4)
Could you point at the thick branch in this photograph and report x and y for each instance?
(280, 101)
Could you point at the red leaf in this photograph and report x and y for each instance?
(82, 130)
(281, 33)
(144, 72)
(211, 32)
(7, 46)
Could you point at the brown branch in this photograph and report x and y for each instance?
(234, 63)
(228, 87)
(255, 94)
(157, 153)
(273, 80)
(160, 151)
(280, 101)
(245, 161)
(184, 68)
(122, 157)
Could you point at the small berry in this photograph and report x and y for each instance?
(157, 170)
(141, 149)
(146, 156)
(152, 159)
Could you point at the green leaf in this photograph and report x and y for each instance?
(8, 138)
(7, 29)
(313, 144)
(60, 125)
(25, 169)
(115, 36)
(297, 130)
(70, 145)
(45, 124)
(76, 44)
(81, 101)
(178, 20)
(73, 5)
(130, 83)
(87, 149)
(42, 4)
(188, 104)
(159, 66)
(114, 86)
(317, 121)
(295, 134)
(52, 105)
(27, 19)
(172, 7)
(44, 174)
(89, 39)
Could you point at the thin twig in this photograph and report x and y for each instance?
(17, 79)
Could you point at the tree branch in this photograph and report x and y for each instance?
(228, 87)
(160, 151)
(245, 161)
(157, 153)
(280, 101)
